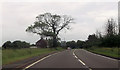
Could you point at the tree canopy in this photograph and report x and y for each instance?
(48, 24)
(15, 44)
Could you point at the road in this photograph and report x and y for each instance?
(78, 58)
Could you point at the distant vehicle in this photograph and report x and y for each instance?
(68, 48)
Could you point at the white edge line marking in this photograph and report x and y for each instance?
(39, 61)
(36, 62)
(100, 55)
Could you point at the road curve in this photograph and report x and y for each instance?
(77, 58)
(96, 61)
(63, 59)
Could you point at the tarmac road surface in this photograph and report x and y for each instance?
(79, 59)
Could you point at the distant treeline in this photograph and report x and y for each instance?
(110, 38)
(16, 44)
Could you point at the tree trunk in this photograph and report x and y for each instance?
(54, 42)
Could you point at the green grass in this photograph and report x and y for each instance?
(106, 51)
(12, 55)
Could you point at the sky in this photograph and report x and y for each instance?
(89, 16)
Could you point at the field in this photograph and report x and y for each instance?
(12, 55)
(113, 52)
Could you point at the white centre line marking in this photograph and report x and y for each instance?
(76, 57)
(80, 60)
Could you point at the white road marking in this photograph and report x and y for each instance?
(73, 54)
(100, 55)
(39, 61)
(36, 62)
(76, 57)
(90, 69)
(80, 60)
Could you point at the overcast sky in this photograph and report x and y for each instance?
(89, 16)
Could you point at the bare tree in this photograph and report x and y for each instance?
(98, 34)
(50, 25)
(111, 28)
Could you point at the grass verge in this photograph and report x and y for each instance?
(12, 55)
(112, 52)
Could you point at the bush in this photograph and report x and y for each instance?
(7, 44)
(16, 44)
(111, 41)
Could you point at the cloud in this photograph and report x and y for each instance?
(59, 1)
(17, 16)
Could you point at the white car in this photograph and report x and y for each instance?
(68, 48)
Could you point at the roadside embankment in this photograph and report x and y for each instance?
(13, 55)
(109, 52)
